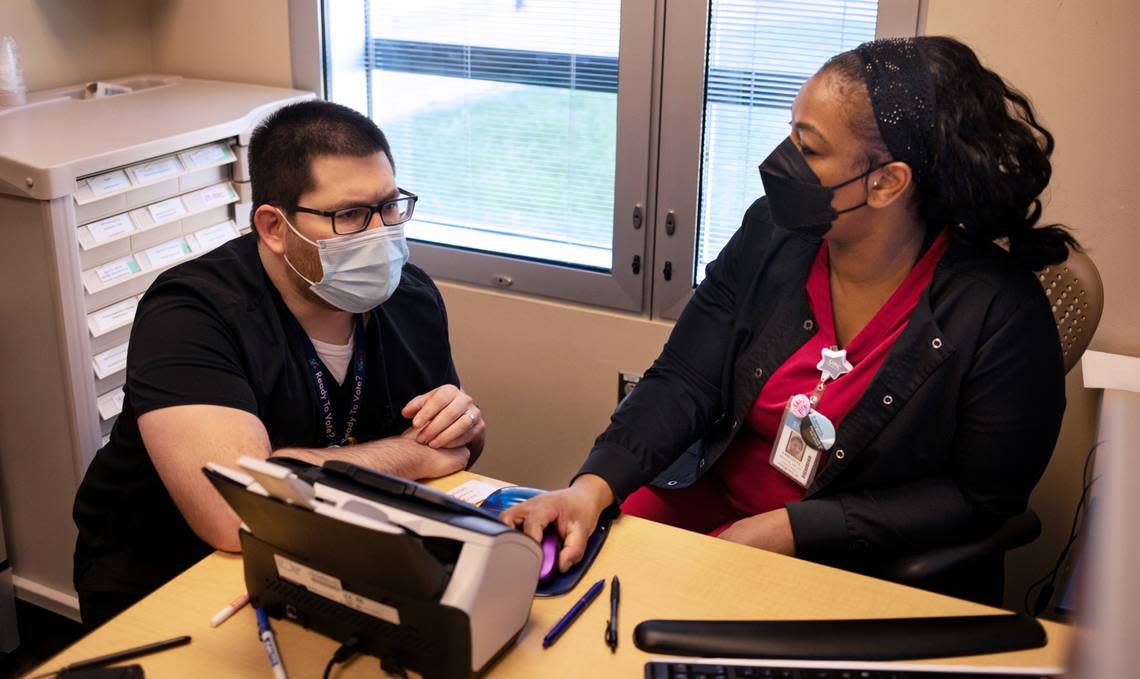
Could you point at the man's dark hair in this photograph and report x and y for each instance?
(284, 145)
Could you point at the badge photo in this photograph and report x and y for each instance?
(791, 454)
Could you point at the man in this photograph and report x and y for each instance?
(311, 338)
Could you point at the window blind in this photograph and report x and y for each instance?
(502, 117)
(759, 54)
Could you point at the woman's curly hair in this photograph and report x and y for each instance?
(990, 157)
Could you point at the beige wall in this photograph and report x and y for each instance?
(63, 42)
(545, 373)
(246, 41)
(1077, 62)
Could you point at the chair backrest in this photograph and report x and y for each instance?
(1076, 293)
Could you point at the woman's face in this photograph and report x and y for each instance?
(822, 133)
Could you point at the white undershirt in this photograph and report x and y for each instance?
(336, 357)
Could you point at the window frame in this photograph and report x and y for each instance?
(660, 111)
(620, 287)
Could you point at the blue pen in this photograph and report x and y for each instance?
(572, 615)
(266, 633)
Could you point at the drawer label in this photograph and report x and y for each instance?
(109, 183)
(110, 228)
(117, 270)
(155, 170)
(167, 210)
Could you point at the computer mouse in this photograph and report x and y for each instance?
(551, 545)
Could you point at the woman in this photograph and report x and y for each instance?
(864, 310)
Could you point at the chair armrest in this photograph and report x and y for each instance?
(914, 569)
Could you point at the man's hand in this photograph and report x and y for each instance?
(437, 462)
(446, 417)
(771, 531)
(574, 510)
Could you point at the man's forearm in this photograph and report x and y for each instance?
(395, 455)
(392, 456)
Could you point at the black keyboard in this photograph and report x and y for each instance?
(775, 670)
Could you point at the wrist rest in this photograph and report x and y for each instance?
(881, 639)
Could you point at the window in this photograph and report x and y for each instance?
(601, 151)
(750, 61)
(759, 54)
(503, 117)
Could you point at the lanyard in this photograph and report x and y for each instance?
(324, 393)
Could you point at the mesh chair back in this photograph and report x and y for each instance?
(1076, 293)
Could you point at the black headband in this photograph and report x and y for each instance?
(902, 98)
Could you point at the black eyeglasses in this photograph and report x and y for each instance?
(356, 219)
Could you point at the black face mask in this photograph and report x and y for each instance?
(797, 199)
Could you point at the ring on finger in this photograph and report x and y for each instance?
(471, 416)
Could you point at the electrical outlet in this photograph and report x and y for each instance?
(626, 383)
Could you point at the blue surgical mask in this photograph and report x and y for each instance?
(361, 270)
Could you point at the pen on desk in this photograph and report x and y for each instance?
(265, 632)
(127, 654)
(230, 608)
(611, 625)
(572, 615)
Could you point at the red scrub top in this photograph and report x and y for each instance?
(753, 485)
(744, 483)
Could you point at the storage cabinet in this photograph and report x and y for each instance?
(97, 198)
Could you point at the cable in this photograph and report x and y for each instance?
(346, 651)
(1041, 601)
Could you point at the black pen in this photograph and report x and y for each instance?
(127, 654)
(611, 626)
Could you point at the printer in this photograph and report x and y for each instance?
(416, 577)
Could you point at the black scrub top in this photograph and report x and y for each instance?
(215, 331)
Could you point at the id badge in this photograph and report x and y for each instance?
(791, 454)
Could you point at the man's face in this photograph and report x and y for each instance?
(338, 182)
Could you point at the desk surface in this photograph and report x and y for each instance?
(665, 573)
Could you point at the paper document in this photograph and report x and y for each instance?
(474, 491)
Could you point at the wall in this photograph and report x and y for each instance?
(63, 42)
(246, 41)
(1075, 60)
(545, 373)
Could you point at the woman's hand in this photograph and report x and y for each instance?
(771, 531)
(574, 510)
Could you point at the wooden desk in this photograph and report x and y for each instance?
(665, 573)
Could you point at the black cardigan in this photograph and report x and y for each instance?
(950, 437)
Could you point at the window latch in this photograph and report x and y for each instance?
(668, 272)
(636, 264)
(637, 216)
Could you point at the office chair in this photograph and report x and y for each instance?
(968, 570)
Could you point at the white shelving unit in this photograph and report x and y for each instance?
(97, 197)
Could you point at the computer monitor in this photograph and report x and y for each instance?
(1107, 596)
